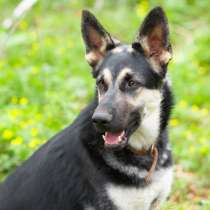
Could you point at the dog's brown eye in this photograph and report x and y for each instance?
(102, 85)
(132, 83)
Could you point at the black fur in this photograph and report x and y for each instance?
(156, 18)
(69, 172)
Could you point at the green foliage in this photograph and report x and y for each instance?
(45, 82)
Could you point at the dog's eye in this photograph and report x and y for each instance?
(101, 84)
(131, 83)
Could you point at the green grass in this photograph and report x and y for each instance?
(45, 82)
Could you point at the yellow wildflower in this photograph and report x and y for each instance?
(7, 134)
(142, 8)
(17, 141)
(34, 131)
(195, 108)
(174, 122)
(30, 122)
(182, 104)
(23, 101)
(13, 113)
(23, 25)
(34, 143)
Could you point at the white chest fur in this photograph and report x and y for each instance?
(132, 198)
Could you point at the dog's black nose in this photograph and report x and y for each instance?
(101, 118)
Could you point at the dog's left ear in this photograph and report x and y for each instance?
(97, 40)
(153, 36)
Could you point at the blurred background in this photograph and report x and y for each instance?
(45, 81)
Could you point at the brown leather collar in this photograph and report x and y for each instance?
(153, 151)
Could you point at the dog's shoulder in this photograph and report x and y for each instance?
(55, 170)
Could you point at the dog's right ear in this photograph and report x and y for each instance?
(97, 40)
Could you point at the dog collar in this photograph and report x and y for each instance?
(153, 152)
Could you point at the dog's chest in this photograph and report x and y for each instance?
(147, 198)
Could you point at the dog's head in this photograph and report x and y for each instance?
(129, 79)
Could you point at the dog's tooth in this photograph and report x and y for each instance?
(123, 133)
(103, 137)
(119, 138)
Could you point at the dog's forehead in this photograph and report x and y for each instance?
(124, 59)
(121, 58)
(122, 49)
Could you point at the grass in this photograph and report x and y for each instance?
(45, 82)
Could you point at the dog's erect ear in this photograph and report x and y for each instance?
(153, 37)
(96, 38)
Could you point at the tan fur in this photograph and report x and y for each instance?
(155, 61)
(154, 64)
(96, 55)
(145, 46)
(149, 103)
(117, 50)
(122, 74)
(108, 78)
(165, 57)
(93, 57)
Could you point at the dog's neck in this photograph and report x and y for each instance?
(124, 161)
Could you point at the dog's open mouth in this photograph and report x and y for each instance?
(116, 139)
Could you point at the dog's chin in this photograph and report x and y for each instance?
(115, 140)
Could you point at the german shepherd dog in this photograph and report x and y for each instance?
(116, 154)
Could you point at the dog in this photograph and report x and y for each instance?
(116, 155)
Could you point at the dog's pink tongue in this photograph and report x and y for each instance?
(113, 138)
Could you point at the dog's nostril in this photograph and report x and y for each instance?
(100, 121)
(102, 118)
